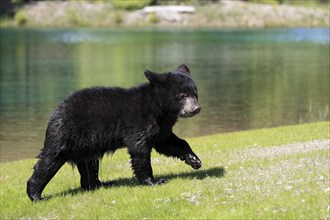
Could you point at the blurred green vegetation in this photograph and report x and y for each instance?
(21, 18)
(153, 18)
(128, 5)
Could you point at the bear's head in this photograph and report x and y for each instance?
(175, 91)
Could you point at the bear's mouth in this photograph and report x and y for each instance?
(187, 114)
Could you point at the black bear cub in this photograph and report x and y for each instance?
(93, 121)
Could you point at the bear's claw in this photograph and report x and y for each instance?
(193, 161)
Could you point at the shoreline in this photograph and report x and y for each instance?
(238, 133)
(223, 14)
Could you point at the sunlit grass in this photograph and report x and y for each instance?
(242, 176)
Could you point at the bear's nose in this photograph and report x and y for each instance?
(197, 110)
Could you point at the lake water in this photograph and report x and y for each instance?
(246, 79)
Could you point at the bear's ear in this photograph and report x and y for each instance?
(155, 78)
(183, 68)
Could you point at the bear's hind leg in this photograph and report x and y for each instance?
(89, 174)
(44, 171)
(142, 169)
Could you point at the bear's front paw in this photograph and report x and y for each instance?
(193, 161)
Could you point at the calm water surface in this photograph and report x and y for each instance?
(246, 78)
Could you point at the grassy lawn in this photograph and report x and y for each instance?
(278, 173)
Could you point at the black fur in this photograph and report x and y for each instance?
(94, 121)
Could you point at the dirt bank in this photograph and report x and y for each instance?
(226, 13)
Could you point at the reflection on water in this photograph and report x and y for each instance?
(246, 78)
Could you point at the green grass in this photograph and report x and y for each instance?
(243, 177)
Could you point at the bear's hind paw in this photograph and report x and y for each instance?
(161, 181)
(107, 184)
(151, 181)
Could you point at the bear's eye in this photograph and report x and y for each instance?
(183, 95)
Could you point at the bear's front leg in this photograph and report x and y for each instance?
(179, 148)
(142, 169)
